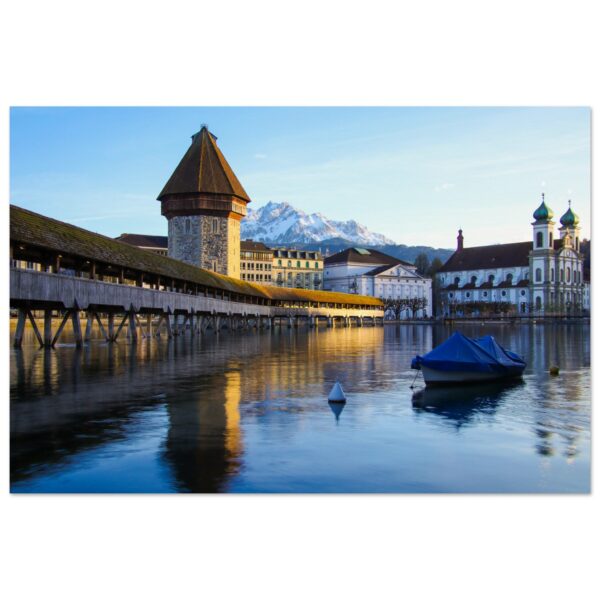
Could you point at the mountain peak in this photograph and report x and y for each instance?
(281, 223)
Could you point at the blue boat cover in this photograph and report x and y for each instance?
(461, 353)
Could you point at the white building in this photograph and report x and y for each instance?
(541, 276)
(373, 273)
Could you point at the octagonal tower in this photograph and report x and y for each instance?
(204, 203)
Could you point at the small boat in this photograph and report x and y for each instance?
(461, 359)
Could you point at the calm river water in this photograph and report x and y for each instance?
(248, 412)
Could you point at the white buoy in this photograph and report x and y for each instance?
(337, 393)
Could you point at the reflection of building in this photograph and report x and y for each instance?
(256, 261)
(204, 203)
(544, 275)
(373, 273)
(297, 269)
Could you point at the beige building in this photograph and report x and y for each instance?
(256, 261)
(297, 269)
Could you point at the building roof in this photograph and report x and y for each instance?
(204, 170)
(252, 246)
(384, 268)
(497, 256)
(144, 241)
(29, 229)
(366, 256)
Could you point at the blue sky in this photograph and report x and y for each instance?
(413, 174)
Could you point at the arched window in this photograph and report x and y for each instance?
(509, 278)
(538, 303)
(562, 275)
(552, 274)
(568, 274)
(289, 263)
(279, 263)
(539, 239)
(538, 274)
(456, 280)
(298, 264)
(474, 279)
(491, 279)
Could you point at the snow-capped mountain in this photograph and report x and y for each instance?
(281, 223)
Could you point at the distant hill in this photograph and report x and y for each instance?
(401, 251)
(280, 224)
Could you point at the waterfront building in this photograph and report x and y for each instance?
(372, 273)
(297, 268)
(256, 261)
(159, 244)
(204, 203)
(541, 276)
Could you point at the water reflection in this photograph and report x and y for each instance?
(461, 405)
(246, 411)
(336, 409)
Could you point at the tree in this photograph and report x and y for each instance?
(422, 263)
(434, 267)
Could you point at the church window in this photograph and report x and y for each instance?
(538, 303)
(552, 274)
(215, 225)
(562, 275)
(491, 279)
(538, 274)
(539, 239)
(550, 243)
(474, 279)
(456, 280)
(568, 274)
(187, 225)
(509, 278)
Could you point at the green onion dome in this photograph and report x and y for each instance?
(543, 212)
(569, 219)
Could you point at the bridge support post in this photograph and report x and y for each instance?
(76, 327)
(149, 325)
(89, 324)
(47, 328)
(329, 322)
(132, 326)
(20, 328)
(111, 327)
(311, 322)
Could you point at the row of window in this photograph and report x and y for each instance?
(576, 275)
(257, 277)
(258, 266)
(298, 264)
(485, 294)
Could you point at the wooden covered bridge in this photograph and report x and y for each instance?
(57, 267)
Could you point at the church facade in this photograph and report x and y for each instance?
(543, 276)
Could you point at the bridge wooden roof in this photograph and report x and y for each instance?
(204, 170)
(56, 237)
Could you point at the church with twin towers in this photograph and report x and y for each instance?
(543, 276)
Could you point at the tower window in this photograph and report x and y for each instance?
(568, 274)
(215, 225)
(538, 274)
(552, 274)
(562, 275)
(539, 240)
(187, 225)
(550, 243)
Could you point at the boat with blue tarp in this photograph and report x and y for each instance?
(461, 359)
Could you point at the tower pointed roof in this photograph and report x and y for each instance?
(204, 170)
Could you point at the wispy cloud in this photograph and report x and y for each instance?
(443, 186)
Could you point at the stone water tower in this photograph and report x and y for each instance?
(204, 203)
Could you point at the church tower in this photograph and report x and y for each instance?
(541, 272)
(204, 203)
